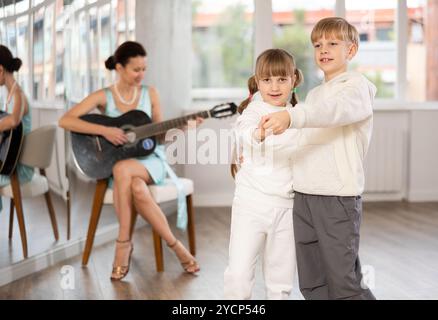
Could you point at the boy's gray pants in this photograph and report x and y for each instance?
(327, 245)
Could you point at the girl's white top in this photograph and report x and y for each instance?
(265, 176)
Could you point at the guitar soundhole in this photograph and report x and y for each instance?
(148, 144)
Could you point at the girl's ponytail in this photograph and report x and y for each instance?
(252, 88)
(298, 80)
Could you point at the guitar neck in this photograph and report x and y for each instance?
(153, 129)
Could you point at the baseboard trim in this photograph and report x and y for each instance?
(380, 196)
(423, 195)
(226, 200)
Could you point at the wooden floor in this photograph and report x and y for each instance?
(38, 228)
(399, 241)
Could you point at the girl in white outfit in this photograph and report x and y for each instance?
(261, 222)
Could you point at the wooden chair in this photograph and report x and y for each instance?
(36, 152)
(160, 193)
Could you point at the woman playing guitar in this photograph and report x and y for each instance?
(16, 108)
(131, 176)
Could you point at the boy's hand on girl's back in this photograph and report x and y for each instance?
(276, 122)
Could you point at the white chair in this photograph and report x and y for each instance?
(36, 152)
(161, 193)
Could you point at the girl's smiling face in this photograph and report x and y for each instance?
(275, 90)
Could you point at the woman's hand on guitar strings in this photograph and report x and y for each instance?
(115, 135)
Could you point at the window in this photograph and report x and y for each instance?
(21, 6)
(59, 49)
(38, 53)
(119, 20)
(11, 37)
(94, 50)
(131, 19)
(422, 83)
(23, 52)
(377, 55)
(222, 43)
(49, 70)
(3, 36)
(37, 2)
(293, 23)
(105, 43)
(9, 9)
(70, 43)
(82, 58)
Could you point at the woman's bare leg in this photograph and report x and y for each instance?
(151, 212)
(124, 171)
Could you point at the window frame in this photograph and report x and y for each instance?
(263, 37)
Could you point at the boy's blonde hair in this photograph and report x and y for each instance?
(337, 27)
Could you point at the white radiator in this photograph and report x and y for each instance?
(386, 160)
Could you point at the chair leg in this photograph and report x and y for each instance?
(158, 248)
(15, 184)
(11, 218)
(52, 215)
(68, 203)
(51, 210)
(68, 216)
(191, 224)
(99, 194)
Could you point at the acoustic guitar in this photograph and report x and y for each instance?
(10, 147)
(95, 156)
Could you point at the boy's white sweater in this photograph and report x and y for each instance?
(265, 176)
(337, 120)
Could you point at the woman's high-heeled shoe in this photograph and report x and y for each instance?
(189, 266)
(119, 272)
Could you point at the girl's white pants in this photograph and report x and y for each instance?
(265, 231)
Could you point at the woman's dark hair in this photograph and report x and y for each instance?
(124, 52)
(8, 62)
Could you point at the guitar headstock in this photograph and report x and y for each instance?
(223, 110)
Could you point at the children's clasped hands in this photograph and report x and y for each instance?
(274, 123)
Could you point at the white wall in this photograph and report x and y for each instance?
(423, 157)
(213, 183)
(165, 29)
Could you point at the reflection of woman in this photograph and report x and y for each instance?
(130, 176)
(16, 106)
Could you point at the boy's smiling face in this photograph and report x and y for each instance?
(332, 55)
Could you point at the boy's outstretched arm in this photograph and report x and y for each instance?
(351, 105)
(276, 122)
